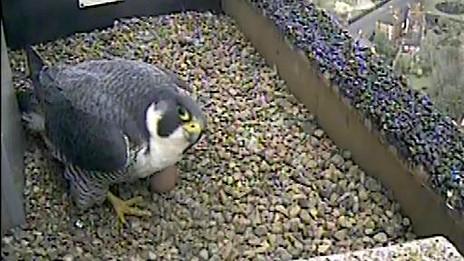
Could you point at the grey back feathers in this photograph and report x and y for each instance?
(102, 148)
(91, 106)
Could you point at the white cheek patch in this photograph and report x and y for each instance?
(151, 119)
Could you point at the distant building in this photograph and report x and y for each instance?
(414, 30)
(393, 23)
(411, 43)
(404, 27)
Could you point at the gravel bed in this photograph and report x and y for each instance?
(405, 117)
(266, 182)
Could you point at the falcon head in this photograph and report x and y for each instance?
(175, 119)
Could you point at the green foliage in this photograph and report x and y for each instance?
(447, 78)
(426, 66)
(403, 64)
(384, 46)
(449, 99)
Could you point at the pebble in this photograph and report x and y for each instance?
(277, 228)
(283, 254)
(204, 255)
(261, 231)
(363, 195)
(406, 222)
(319, 133)
(338, 160)
(340, 235)
(281, 209)
(294, 211)
(324, 247)
(269, 203)
(346, 154)
(381, 237)
(313, 212)
(68, 258)
(312, 164)
(305, 217)
(151, 256)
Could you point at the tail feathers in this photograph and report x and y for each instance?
(27, 101)
(35, 65)
(30, 109)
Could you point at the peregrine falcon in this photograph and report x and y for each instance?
(110, 121)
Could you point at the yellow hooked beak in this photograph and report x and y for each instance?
(194, 129)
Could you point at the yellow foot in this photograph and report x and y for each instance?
(124, 207)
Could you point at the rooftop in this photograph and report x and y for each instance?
(390, 18)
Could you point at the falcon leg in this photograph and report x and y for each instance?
(124, 207)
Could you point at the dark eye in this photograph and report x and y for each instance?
(184, 115)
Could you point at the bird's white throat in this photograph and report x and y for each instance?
(164, 151)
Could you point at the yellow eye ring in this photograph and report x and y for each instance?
(184, 115)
